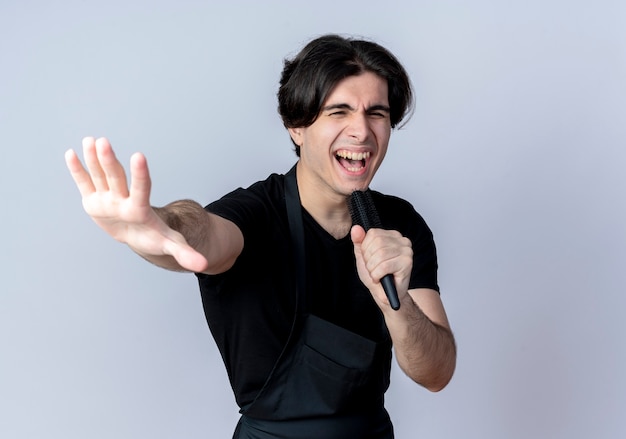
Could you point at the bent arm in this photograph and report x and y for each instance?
(423, 342)
(421, 335)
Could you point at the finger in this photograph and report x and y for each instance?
(399, 264)
(384, 251)
(93, 164)
(79, 174)
(140, 183)
(113, 169)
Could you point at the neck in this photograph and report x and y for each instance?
(329, 209)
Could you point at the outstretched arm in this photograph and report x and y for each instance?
(423, 342)
(181, 236)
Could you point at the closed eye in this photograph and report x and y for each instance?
(379, 111)
(337, 109)
(378, 114)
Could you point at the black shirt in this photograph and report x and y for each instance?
(250, 307)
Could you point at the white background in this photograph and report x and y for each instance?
(515, 156)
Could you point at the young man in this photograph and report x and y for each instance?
(291, 289)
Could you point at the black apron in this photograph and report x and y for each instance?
(328, 382)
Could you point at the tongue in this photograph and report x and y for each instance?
(347, 163)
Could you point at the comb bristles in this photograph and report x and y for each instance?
(363, 213)
(362, 210)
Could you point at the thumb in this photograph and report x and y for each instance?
(357, 234)
(187, 257)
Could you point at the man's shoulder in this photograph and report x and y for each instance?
(256, 205)
(397, 213)
(273, 183)
(271, 187)
(387, 201)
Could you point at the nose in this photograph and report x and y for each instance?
(358, 127)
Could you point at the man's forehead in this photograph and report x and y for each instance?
(366, 87)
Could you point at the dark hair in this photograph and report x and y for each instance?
(309, 77)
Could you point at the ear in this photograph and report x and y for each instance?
(296, 135)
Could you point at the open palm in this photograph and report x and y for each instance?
(125, 212)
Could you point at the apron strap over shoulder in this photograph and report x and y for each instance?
(296, 228)
(327, 379)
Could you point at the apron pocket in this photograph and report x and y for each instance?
(338, 344)
(331, 368)
(327, 371)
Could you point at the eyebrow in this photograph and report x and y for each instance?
(377, 107)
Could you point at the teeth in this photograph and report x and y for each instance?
(353, 155)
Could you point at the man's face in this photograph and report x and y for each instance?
(342, 150)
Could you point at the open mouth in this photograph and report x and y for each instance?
(352, 161)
